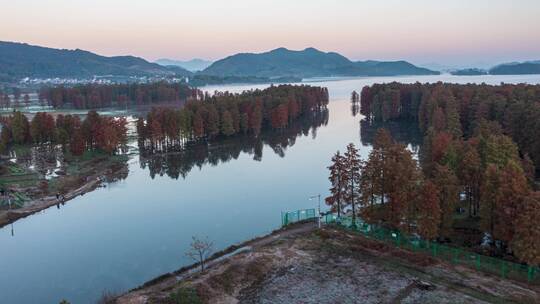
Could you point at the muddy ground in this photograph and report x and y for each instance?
(304, 265)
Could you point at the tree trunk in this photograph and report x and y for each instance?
(202, 261)
(353, 203)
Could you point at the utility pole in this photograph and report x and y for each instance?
(318, 209)
(9, 203)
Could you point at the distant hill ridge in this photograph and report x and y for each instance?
(18, 60)
(193, 65)
(309, 62)
(527, 67)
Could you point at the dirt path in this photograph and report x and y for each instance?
(10, 216)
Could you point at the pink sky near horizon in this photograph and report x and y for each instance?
(420, 31)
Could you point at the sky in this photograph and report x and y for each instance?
(457, 32)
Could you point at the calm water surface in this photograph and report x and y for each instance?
(118, 237)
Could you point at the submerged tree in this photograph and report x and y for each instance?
(104, 133)
(355, 97)
(226, 114)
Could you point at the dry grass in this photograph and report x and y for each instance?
(335, 266)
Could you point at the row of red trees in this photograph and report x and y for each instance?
(487, 173)
(460, 109)
(19, 100)
(94, 96)
(386, 189)
(95, 132)
(476, 149)
(200, 154)
(391, 190)
(228, 114)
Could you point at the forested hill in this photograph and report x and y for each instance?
(532, 67)
(192, 65)
(19, 60)
(307, 63)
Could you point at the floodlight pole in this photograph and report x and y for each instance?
(9, 202)
(319, 208)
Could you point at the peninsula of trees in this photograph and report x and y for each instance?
(480, 146)
(227, 114)
(199, 154)
(95, 132)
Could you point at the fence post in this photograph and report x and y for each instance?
(503, 269)
(530, 273)
(477, 262)
(397, 239)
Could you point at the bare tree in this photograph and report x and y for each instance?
(107, 297)
(200, 250)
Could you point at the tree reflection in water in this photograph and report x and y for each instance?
(403, 131)
(222, 150)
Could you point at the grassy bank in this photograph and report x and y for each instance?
(36, 175)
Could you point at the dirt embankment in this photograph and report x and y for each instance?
(304, 265)
(81, 177)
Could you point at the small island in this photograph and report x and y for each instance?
(469, 72)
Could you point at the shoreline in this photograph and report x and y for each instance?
(176, 276)
(10, 216)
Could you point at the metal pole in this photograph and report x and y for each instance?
(319, 208)
(319, 215)
(9, 202)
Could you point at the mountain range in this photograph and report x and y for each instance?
(193, 65)
(18, 60)
(309, 62)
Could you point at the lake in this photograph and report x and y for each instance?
(116, 238)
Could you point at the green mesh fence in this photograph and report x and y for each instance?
(296, 216)
(454, 255)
